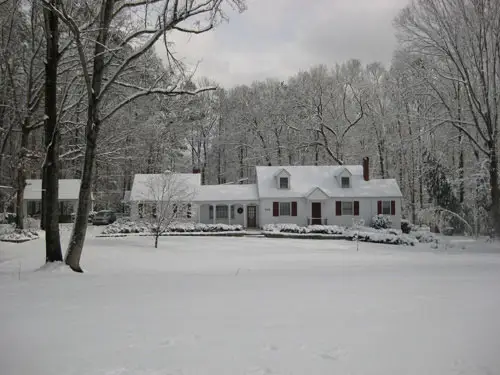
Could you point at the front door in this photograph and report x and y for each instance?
(316, 213)
(251, 216)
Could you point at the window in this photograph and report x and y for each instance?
(221, 212)
(189, 211)
(283, 182)
(347, 208)
(285, 209)
(345, 182)
(386, 207)
(140, 210)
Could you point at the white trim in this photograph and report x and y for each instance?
(313, 190)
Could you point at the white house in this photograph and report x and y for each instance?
(144, 194)
(302, 195)
(68, 198)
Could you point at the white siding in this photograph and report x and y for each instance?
(367, 210)
(266, 212)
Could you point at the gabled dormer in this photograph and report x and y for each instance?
(344, 178)
(282, 178)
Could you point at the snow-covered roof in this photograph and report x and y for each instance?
(306, 178)
(68, 189)
(141, 190)
(221, 193)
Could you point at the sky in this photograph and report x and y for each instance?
(278, 38)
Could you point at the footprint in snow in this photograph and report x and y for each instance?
(331, 355)
(271, 348)
(168, 342)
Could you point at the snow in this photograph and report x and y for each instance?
(226, 306)
(19, 235)
(68, 189)
(9, 233)
(227, 193)
(128, 227)
(365, 234)
(141, 190)
(303, 179)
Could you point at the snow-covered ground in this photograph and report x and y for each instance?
(203, 306)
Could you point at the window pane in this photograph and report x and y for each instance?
(283, 183)
(347, 208)
(221, 212)
(386, 207)
(285, 209)
(345, 182)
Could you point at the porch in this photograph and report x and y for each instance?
(244, 214)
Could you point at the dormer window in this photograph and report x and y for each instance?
(346, 183)
(283, 182)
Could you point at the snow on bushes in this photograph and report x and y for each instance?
(19, 235)
(126, 227)
(198, 227)
(294, 228)
(364, 234)
(381, 222)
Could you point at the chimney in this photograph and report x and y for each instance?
(366, 168)
(196, 170)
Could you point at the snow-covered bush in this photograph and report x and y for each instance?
(294, 228)
(123, 226)
(198, 227)
(424, 236)
(405, 226)
(19, 235)
(381, 222)
(127, 226)
(365, 234)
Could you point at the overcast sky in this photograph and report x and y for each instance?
(277, 38)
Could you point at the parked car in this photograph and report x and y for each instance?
(104, 217)
(90, 218)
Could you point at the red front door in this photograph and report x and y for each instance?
(316, 213)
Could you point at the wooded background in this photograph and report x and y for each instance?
(429, 120)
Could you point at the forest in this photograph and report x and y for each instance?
(84, 93)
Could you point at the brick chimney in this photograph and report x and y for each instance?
(366, 168)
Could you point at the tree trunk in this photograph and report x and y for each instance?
(50, 213)
(461, 169)
(75, 246)
(381, 158)
(495, 192)
(21, 179)
(156, 241)
(77, 240)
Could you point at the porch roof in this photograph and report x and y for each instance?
(227, 193)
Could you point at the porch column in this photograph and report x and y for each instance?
(244, 215)
(229, 214)
(198, 207)
(214, 211)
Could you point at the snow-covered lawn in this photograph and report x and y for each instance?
(203, 306)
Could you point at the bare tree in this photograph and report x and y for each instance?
(168, 199)
(456, 42)
(105, 67)
(50, 181)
